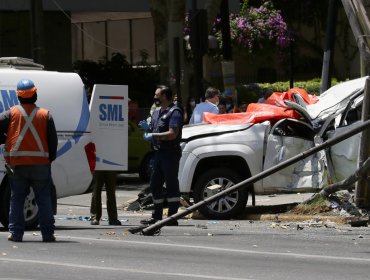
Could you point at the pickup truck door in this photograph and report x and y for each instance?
(344, 155)
(287, 138)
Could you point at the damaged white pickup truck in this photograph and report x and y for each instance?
(217, 156)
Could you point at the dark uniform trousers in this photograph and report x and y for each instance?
(166, 169)
(107, 178)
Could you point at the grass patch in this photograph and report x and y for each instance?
(316, 205)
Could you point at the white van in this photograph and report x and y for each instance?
(63, 94)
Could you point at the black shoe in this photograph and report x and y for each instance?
(11, 237)
(94, 222)
(115, 223)
(49, 239)
(148, 221)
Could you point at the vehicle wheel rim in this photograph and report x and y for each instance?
(224, 204)
(30, 209)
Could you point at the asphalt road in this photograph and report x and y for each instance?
(197, 249)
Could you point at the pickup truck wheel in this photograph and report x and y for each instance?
(30, 209)
(214, 181)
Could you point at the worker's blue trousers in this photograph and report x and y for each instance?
(165, 170)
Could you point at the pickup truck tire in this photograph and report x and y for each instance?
(227, 207)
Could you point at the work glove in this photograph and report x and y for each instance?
(144, 125)
(148, 136)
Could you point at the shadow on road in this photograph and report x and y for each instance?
(130, 182)
(68, 228)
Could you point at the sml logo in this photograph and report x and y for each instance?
(8, 99)
(111, 112)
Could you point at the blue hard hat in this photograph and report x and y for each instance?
(25, 84)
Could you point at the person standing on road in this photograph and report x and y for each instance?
(164, 132)
(212, 96)
(107, 178)
(30, 147)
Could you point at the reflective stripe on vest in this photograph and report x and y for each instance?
(27, 126)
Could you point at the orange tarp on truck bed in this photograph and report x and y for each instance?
(273, 109)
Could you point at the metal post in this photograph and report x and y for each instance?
(176, 46)
(329, 46)
(291, 63)
(106, 40)
(362, 195)
(82, 42)
(131, 43)
(225, 30)
(197, 52)
(37, 32)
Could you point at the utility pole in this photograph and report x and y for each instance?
(360, 25)
(37, 32)
(291, 63)
(225, 30)
(329, 46)
(228, 66)
(362, 195)
(199, 45)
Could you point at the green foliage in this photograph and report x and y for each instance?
(314, 206)
(311, 86)
(251, 92)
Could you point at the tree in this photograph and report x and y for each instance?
(168, 17)
(164, 13)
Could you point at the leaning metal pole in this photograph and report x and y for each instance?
(150, 230)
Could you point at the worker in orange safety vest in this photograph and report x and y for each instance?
(30, 147)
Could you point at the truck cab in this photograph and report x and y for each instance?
(218, 155)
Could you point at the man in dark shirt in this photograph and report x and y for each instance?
(165, 134)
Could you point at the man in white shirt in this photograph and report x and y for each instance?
(210, 105)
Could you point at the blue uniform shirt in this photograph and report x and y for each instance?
(162, 121)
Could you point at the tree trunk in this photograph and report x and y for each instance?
(168, 17)
(163, 12)
(158, 9)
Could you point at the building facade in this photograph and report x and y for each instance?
(95, 29)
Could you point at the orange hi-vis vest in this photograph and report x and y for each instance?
(26, 141)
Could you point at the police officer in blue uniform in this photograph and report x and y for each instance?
(164, 132)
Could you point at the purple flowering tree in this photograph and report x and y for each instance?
(254, 29)
(258, 28)
(259, 39)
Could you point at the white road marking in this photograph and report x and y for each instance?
(187, 247)
(241, 251)
(90, 267)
